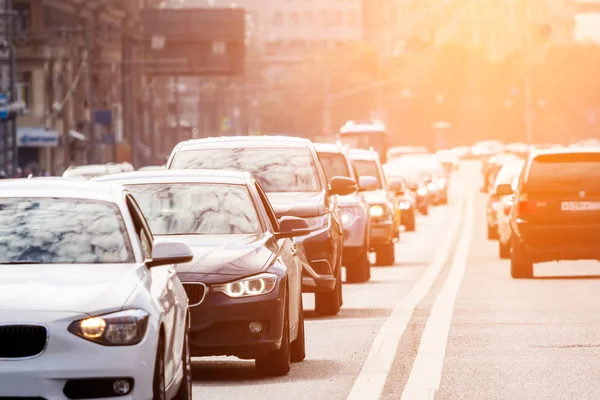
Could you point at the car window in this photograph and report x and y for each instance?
(334, 164)
(568, 171)
(62, 231)
(268, 208)
(369, 168)
(507, 173)
(197, 209)
(277, 169)
(141, 228)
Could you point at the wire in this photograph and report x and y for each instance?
(71, 91)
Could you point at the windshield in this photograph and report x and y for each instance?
(197, 209)
(368, 168)
(62, 231)
(334, 164)
(277, 169)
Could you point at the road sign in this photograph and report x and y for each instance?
(3, 106)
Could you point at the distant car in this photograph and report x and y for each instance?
(557, 209)
(415, 181)
(496, 203)
(90, 171)
(504, 230)
(433, 173)
(449, 160)
(292, 176)
(405, 198)
(385, 216)
(91, 303)
(354, 211)
(400, 151)
(245, 282)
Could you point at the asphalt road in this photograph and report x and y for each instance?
(446, 321)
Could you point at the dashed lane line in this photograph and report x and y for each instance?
(426, 374)
(371, 380)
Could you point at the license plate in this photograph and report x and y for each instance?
(580, 206)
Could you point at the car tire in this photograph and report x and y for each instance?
(278, 362)
(385, 255)
(521, 265)
(329, 303)
(359, 269)
(158, 382)
(298, 346)
(492, 232)
(503, 250)
(411, 223)
(185, 388)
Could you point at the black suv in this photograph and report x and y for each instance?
(291, 174)
(556, 214)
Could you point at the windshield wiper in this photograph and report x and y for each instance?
(20, 262)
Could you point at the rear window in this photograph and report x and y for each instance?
(554, 171)
(369, 168)
(334, 164)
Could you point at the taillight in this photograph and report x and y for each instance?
(507, 208)
(530, 206)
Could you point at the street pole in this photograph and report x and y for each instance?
(528, 106)
(89, 86)
(327, 102)
(177, 112)
(12, 122)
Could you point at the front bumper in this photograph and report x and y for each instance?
(558, 242)
(68, 357)
(322, 251)
(382, 233)
(220, 325)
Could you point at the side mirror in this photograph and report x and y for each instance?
(367, 183)
(504, 190)
(342, 186)
(169, 252)
(397, 187)
(290, 227)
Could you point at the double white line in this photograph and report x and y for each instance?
(426, 373)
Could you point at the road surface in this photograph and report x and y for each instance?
(446, 321)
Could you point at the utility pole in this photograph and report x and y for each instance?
(527, 89)
(327, 102)
(177, 110)
(89, 84)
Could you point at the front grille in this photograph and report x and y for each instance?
(22, 341)
(196, 291)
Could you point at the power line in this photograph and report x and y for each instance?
(71, 91)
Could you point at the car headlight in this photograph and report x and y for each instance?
(319, 222)
(422, 192)
(432, 187)
(376, 211)
(252, 286)
(348, 214)
(123, 328)
(404, 205)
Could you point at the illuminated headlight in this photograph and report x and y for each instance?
(404, 205)
(376, 211)
(317, 222)
(432, 187)
(123, 328)
(441, 184)
(253, 286)
(348, 214)
(422, 192)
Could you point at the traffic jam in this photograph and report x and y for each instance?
(140, 284)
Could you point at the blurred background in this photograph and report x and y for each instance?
(98, 81)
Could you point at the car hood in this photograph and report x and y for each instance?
(376, 196)
(350, 200)
(224, 256)
(68, 288)
(298, 204)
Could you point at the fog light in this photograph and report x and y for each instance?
(121, 387)
(255, 327)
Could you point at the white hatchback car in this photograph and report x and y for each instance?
(90, 304)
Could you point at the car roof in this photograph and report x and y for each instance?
(363, 127)
(180, 176)
(362, 154)
(566, 150)
(330, 148)
(245, 141)
(68, 188)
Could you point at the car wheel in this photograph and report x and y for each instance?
(492, 232)
(385, 255)
(521, 265)
(185, 388)
(158, 383)
(277, 363)
(503, 250)
(411, 223)
(329, 303)
(359, 269)
(298, 347)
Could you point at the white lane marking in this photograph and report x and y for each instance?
(426, 374)
(370, 382)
